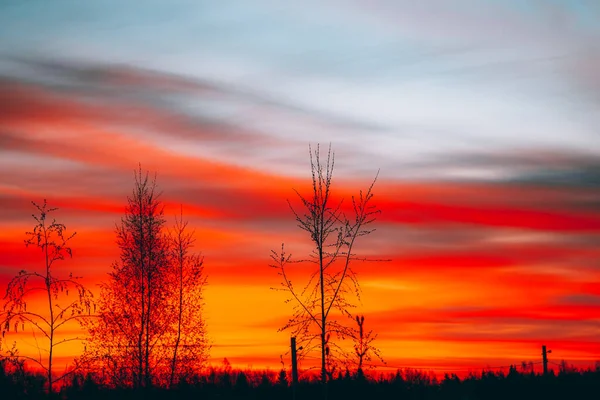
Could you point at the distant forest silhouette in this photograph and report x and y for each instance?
(226, 383)
(145, 335)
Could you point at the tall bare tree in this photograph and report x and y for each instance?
(190, 347)
(60, 308)
(134, 317)
(150, 328)
(321, 305)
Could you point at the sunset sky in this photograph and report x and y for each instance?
(483, 118)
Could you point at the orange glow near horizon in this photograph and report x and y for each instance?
(480, 273)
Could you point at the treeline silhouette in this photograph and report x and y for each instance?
(226, 383)
(147, 327)
(146, 337)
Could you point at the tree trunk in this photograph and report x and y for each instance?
(49, 291)
(179, 317)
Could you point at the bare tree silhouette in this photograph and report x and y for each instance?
(364, 350)
(333, 281)
(61, 309)
(134, 316)
(191, 347)
(150, 328)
